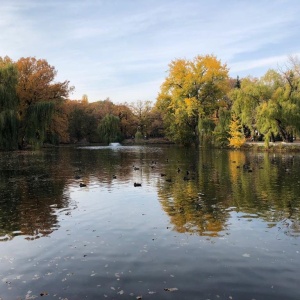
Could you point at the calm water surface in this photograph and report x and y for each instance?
(203, 225)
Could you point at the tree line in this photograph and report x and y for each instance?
(198, 103)
(35, 109)
(202, 104)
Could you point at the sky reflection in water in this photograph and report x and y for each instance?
(203, 225)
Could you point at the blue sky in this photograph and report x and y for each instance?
(121, 48)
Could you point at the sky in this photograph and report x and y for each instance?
(121, 49)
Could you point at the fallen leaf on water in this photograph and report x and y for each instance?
(171, 289)
(151, 292)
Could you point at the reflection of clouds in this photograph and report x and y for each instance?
(48, 182)
(289, 228)
(203, 206)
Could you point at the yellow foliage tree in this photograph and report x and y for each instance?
(191, 92)
(237, 138)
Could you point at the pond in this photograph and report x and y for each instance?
(199, 224)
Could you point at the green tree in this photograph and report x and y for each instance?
(38, 118)
(280, 114)
(246, 99)
(221, 131)
(109, 129)
(82, 125)
(8, 104)
(270, 104)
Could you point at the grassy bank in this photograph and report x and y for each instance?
(273, 147)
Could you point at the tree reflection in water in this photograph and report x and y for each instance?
(199, 191)
(256, 185)
(31, 191)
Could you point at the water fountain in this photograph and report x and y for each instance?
(114, 144)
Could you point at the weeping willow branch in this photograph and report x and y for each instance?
(109, 129)
(8, 130)
(38, 118)
(8, 105)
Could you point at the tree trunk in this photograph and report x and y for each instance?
(287, 137)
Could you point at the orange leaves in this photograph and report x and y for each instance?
(36, 84)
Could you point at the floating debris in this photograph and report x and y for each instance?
(171, 289)
(151, 292)
(246, 255)
(82, 184)
(137, 184)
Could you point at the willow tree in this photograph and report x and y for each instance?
(8, 104)
(38, 117)
(109, 129)
(189, 96)
(38, 94)
(270, 104)
(280, 113)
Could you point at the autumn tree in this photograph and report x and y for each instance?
(8, 104)
(85, 99)
(58, 130)
(127, 119)
(38, 94)
(189, 96)
(141, 110)
(237, 137)
(156, 128)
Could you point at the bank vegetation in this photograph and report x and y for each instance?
(198, 104)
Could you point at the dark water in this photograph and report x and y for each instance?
(229, 230)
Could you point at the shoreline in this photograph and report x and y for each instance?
(273, 146)
(255, 146)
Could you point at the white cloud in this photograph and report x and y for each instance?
(121, 49)
(274, 62)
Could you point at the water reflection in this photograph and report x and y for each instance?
(253, 184)
(31, 187)
(219, 224)
(198, 190)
